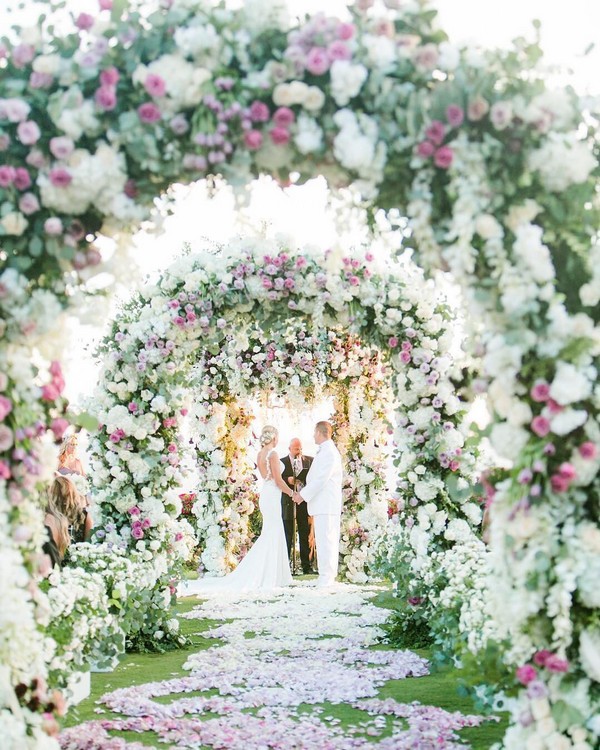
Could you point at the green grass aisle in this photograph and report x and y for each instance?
(138, 669)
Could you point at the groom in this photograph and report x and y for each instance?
(295, 469)
(323, 494)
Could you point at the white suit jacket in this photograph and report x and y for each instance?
(323, 490)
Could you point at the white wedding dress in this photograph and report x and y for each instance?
(266, 565)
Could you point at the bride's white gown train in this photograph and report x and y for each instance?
(266, 564)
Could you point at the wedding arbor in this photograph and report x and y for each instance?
(498, 179)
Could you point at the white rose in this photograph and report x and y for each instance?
(346, 80)
(567, 421)
(314, 99)
(48, 64)
(569, 384)
(14, 223)
(282, 95)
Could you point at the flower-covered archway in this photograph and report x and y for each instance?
(301, 361)
(208, 334)
(497, 176)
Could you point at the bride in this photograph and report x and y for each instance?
(266, 565)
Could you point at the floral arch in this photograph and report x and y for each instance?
(215, 329)
(497, 175)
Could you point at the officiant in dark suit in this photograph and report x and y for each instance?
(295, 469)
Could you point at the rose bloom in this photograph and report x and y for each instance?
(526, 674)
(317, 61)
(28, 132)
(253, 139)
(283, 117)
(588, 450)
(149, 113)
(105, 4)
(477, 109)
(109, 77)
(155, 85)
(425, 149)
(338, 51)
(106, 98)
(435, 132)
(540, 391)
(558, 483)
(279, 136)
(455, 115)
(540, 425)
(61, 147)
(259, 111)
(84, 21)
(7, 175)
(60, 177)
(22, 178)
(53, 226)
(28, 203)
(443, 157)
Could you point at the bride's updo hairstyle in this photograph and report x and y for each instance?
(268, 433)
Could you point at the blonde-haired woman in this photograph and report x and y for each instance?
(66, 507)
(266, 566)
(68, 462)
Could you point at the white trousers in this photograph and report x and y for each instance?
(327, 539)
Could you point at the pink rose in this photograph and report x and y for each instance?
(436, 132)
(35, 158)
(540, 657)
(526, 674)
(567, 471)
(337, 50)
(345, 31)
(425, 149)
(134, 511)
(5, 407)
(149, 113)
(60, 177)
(171, 447)
(84, 21)
(588, 450)
(22, 55)
(6, 438)
(253, 139)
(540, 391)
(540, 425)
(14, 110)
(392, 342)
(28, 132)
(109, 77)
(7, 175)
(559, 483)
(279, 136)
(105, 4)
(22, 178)
(443, 157)
(137, 532)
(317, 61)
(4, 470)
(28, 204)
(155, 85)
(259, 112)
(106, 98)
(455, 115)
(53, 226)
(283, 117)
(50, 392)
(555, 664)
(58, 427)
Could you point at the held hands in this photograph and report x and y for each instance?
(297, 498)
